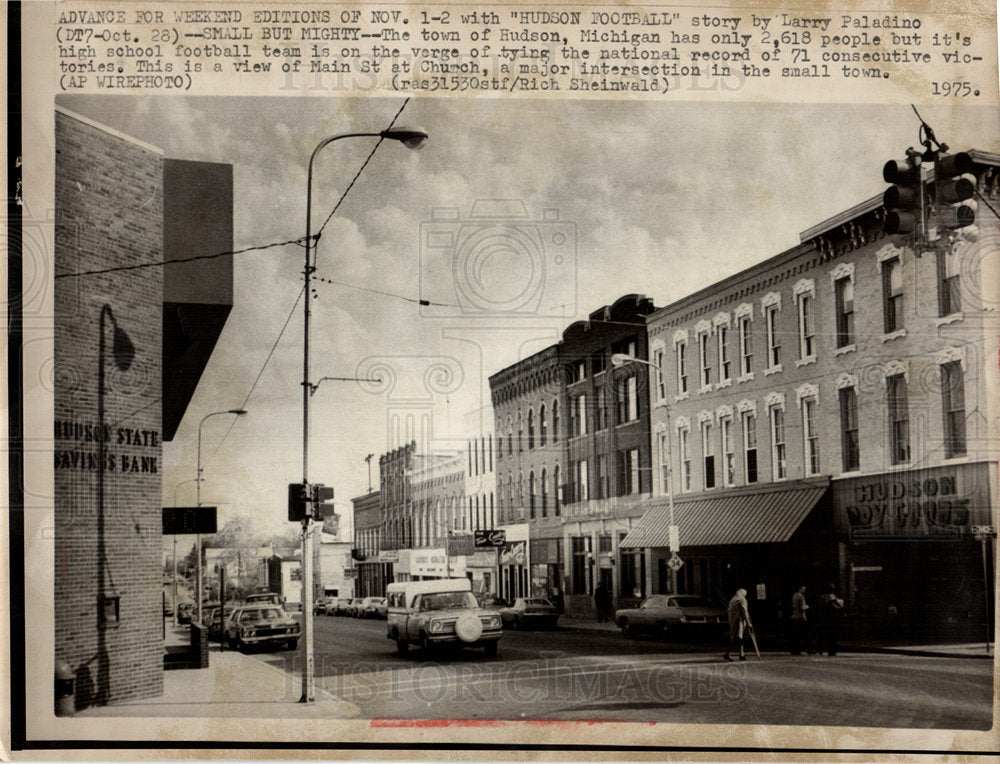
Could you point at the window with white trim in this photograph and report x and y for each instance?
(773, 339)
(744, 331)
(844, 298)
(807, 332)
(953, 406)
(899, 418)
(680, 352)
(810, 435)
(892, 294)
(684, 457)
(779, 462)
(628, 472)
(580, 486)
(949, 282)
(627, 399)
(725, 366)
(849, 443)
(728, 455)
(750, 447)
(708, 454)
(705, 359)
(658, 361)
(602, 489)
(664, 443)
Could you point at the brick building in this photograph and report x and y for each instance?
(829, 416)
(372, 575)
(122, 340)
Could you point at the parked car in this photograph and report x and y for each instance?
(375, 607)
(319, 605)
(216, 618)
(662, 612)
(184, 612)
(491, 601)
(265, 598)
(440, 613)
(340, 606)
(356, 608)
(262, 625)
(529, 612)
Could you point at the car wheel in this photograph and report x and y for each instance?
(627, 630)
(515, 622)
(491, 648)
(425, 643)
(240, 645)
(401, 645)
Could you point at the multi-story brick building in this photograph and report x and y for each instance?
(372, 575)
(829, 416)
(124, 338)
(573, 454)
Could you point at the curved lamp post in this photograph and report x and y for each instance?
(622, 359)
(198, 479)
(412, 138)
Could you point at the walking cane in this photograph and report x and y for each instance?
(753, 640)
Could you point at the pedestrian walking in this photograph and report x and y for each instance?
(602, 599)
(830, 609)
(739, 623)
(798, 628)
(557, 600)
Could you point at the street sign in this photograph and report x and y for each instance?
(489, 538)
(984, 530)
(180, 520)
(675, 563)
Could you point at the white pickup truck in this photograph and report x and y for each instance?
(442, 612)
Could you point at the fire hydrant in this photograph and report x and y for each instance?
(64, 692)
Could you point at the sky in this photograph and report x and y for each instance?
(517, 218)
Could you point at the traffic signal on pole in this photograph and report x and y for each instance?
(954, 187)
(903, 198)
(298, 502)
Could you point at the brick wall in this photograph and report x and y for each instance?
(110, 213)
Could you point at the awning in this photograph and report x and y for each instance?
(761, 517)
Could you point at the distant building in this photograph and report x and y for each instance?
(373, 574)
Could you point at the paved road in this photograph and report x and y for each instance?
(570, 674)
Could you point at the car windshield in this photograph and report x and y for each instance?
(263, 614)
(537, 603)
(447, 601)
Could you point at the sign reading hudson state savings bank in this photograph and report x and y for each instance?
(926, 503)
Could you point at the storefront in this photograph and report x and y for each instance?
(913, 566)
(426, 564)
(546, 568)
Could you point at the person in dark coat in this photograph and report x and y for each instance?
(739, 623)
(602, 599)
(830, 611)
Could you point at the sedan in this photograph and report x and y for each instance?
(530, 612)
(663, 612)
(267, 625)
(376, 607)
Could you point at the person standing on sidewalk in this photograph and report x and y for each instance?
(739, 623)
(831, 611)
(602, 600)
(798, 627)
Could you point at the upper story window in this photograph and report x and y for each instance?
(520, 432)
(602, 489)
(628, 472)
(892, 294)
(658, 362)
(728, 454)
(808, 395)
(949, 283)
(705, 357)
(555, 421)
(578, 371)
(899, 418)
(850, 446)
(684, 455)
(627, 347)
(601, 408)
(843, 295)
(680, 361)
(953, 407)
(627, 399)
(531, 429)
(805, 291)
(578, 415)
(510, 436)
(771, 305)
(542, 426)
(779, 456)
(707, 453)
(598, 362)
(749, 418)
(744, 332)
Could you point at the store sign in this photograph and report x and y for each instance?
(936, 503)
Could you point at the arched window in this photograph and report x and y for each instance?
(542, 429)
(555, 421)
(531, 429)
(510, 437)
(520, 432)
(545, 493)
(520, 493)
(557, 492)
(531, 494)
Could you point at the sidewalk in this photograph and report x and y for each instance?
(965, 650)
(233, 685)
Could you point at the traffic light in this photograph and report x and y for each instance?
(903, 199)
(954, 187)
(298, 502)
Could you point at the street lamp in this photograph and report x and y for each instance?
(197, 586)
(412, 138)
(622, 359)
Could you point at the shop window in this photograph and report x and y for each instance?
(580, 546)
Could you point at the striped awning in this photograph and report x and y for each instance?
(762, 517)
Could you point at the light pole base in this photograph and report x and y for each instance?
(304, 699)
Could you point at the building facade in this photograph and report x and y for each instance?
(121, 344)
(372, 575)
(828, 416)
